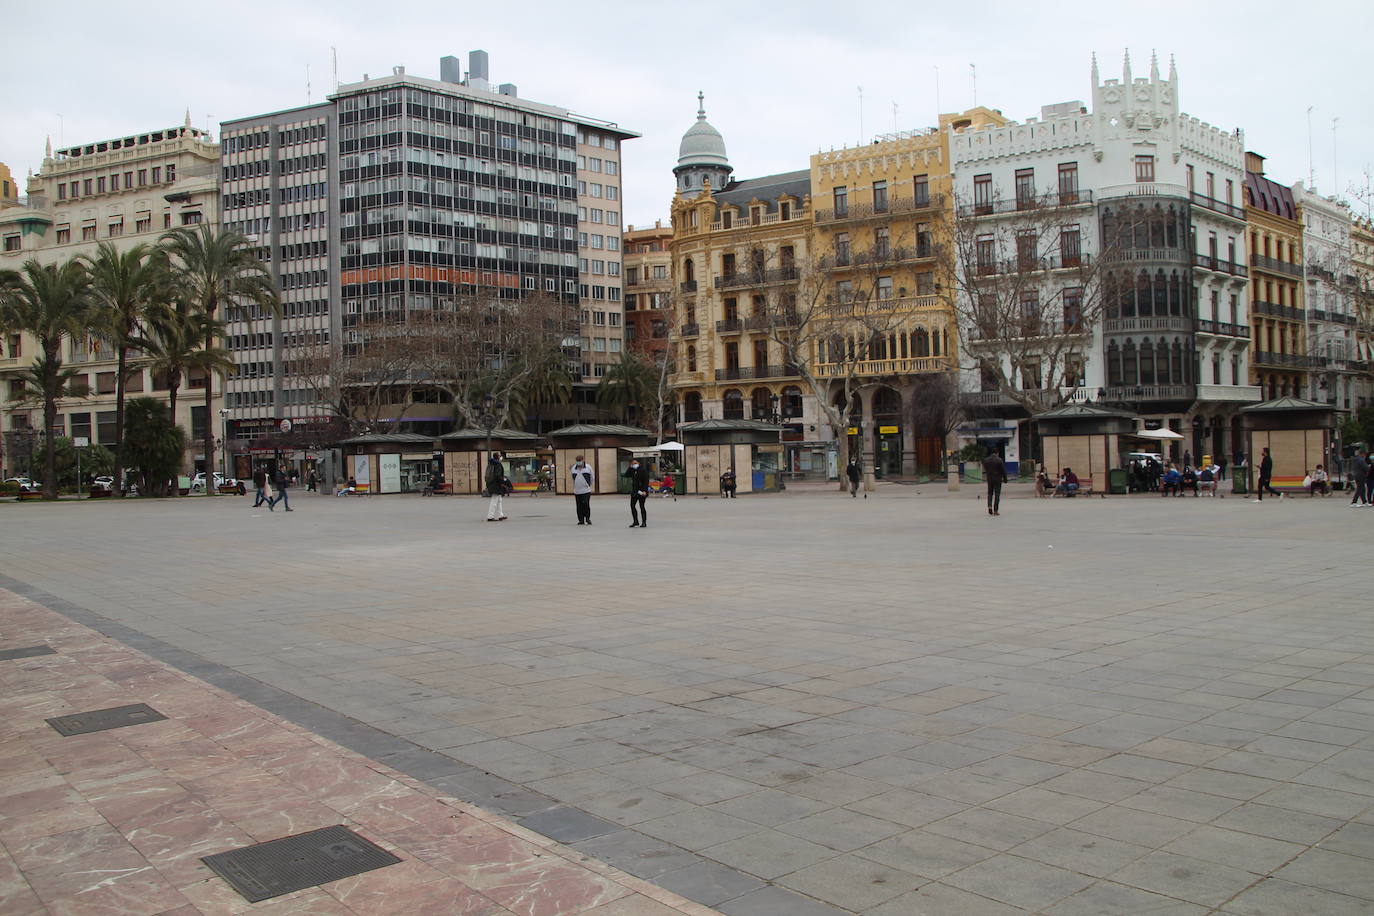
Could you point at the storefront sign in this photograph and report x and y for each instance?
(362, 474)
(390, 473)
(888, 430)
(853, 431)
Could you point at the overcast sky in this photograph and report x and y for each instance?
(781, 79)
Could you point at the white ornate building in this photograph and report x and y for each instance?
(1174, 341)
(1331, 320)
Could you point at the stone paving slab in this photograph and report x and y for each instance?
(804, 700)
(116, 822)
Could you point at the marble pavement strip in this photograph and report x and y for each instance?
(115, 822)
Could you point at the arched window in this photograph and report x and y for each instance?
(692, 360)
(939, 344)
(791, 401)
(1114, 365)
(1130, 371)
(689, 270)
(761, 403)
(691, 406)
(1161, 294)
(734, 405)
(920, 342)
(1147, 362)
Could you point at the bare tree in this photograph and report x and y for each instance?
(365, 380)
(1028, 292)
(936, 408)
(480, 346)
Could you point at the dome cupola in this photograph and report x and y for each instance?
(701, 155)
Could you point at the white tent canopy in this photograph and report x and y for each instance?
(1156, 434)
(671, 447)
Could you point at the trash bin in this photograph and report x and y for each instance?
(1239, 485)
(1116, 481)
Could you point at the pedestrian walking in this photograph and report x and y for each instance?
(583, 482)
(995, 474)
(1221, 468)
(1266, 474)
(281, 480)
(496, 488)
(639, 492)
(260, 485)
(1359, 468)
(728, 484)
(855, 474)
(312, 483)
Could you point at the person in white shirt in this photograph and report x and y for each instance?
(583, 482)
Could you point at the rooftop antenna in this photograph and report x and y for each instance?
(307, 82)
(894, 117)
(861, 115)
(1311, 169)
(334, 55)
(1335, 178)
(973, 73)
(937, 91)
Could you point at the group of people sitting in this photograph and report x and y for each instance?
(1173, 482)
(1068, 483)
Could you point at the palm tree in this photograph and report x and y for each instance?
(549, 382)
(51, 303)
(125, 285)
(630, 382)
(175, 344)
(211, 270)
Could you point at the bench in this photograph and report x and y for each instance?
(443, 489)
(1085, 488)
(1289, 485)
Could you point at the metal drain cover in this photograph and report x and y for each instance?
(99, 720)
(26, 652)
(294, 863)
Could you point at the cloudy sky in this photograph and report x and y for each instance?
(781, 79)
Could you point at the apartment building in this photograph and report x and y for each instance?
(401, 192)
(1334, 371)
(125, 190)
(648, 289)
(276, 175)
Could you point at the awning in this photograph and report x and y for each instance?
(1156, 434)
(671, 446)
(642, 451)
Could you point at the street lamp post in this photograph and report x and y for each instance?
(487, 416)
(223, 443)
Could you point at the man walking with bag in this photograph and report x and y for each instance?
(260, 485)
(280, 480)
(1266, 474)
(583, 479)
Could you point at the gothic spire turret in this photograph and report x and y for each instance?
(1126, 69)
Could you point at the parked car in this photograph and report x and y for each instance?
(24, 483)
(104, 480)
(221, 482)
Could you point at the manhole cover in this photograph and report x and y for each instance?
(99, 720)
(26, 652)
(294, 863)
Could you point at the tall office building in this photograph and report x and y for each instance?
(402, 192)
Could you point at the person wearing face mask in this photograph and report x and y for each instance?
(639, 492)
(583, 479)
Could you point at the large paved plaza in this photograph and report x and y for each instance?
(802, 703)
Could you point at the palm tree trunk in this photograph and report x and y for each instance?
(173, 384)
(119, 422)
(209, 427)
(50, 383)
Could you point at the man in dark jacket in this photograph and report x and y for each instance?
(495, 480)
(995, 474)
(639, 492)
(1266, 474)
(280, 480)
(855, 474)
(1360, 472)
(260, 485)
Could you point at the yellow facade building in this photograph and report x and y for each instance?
(1278, 349)
(858, 225)
(9, 191)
